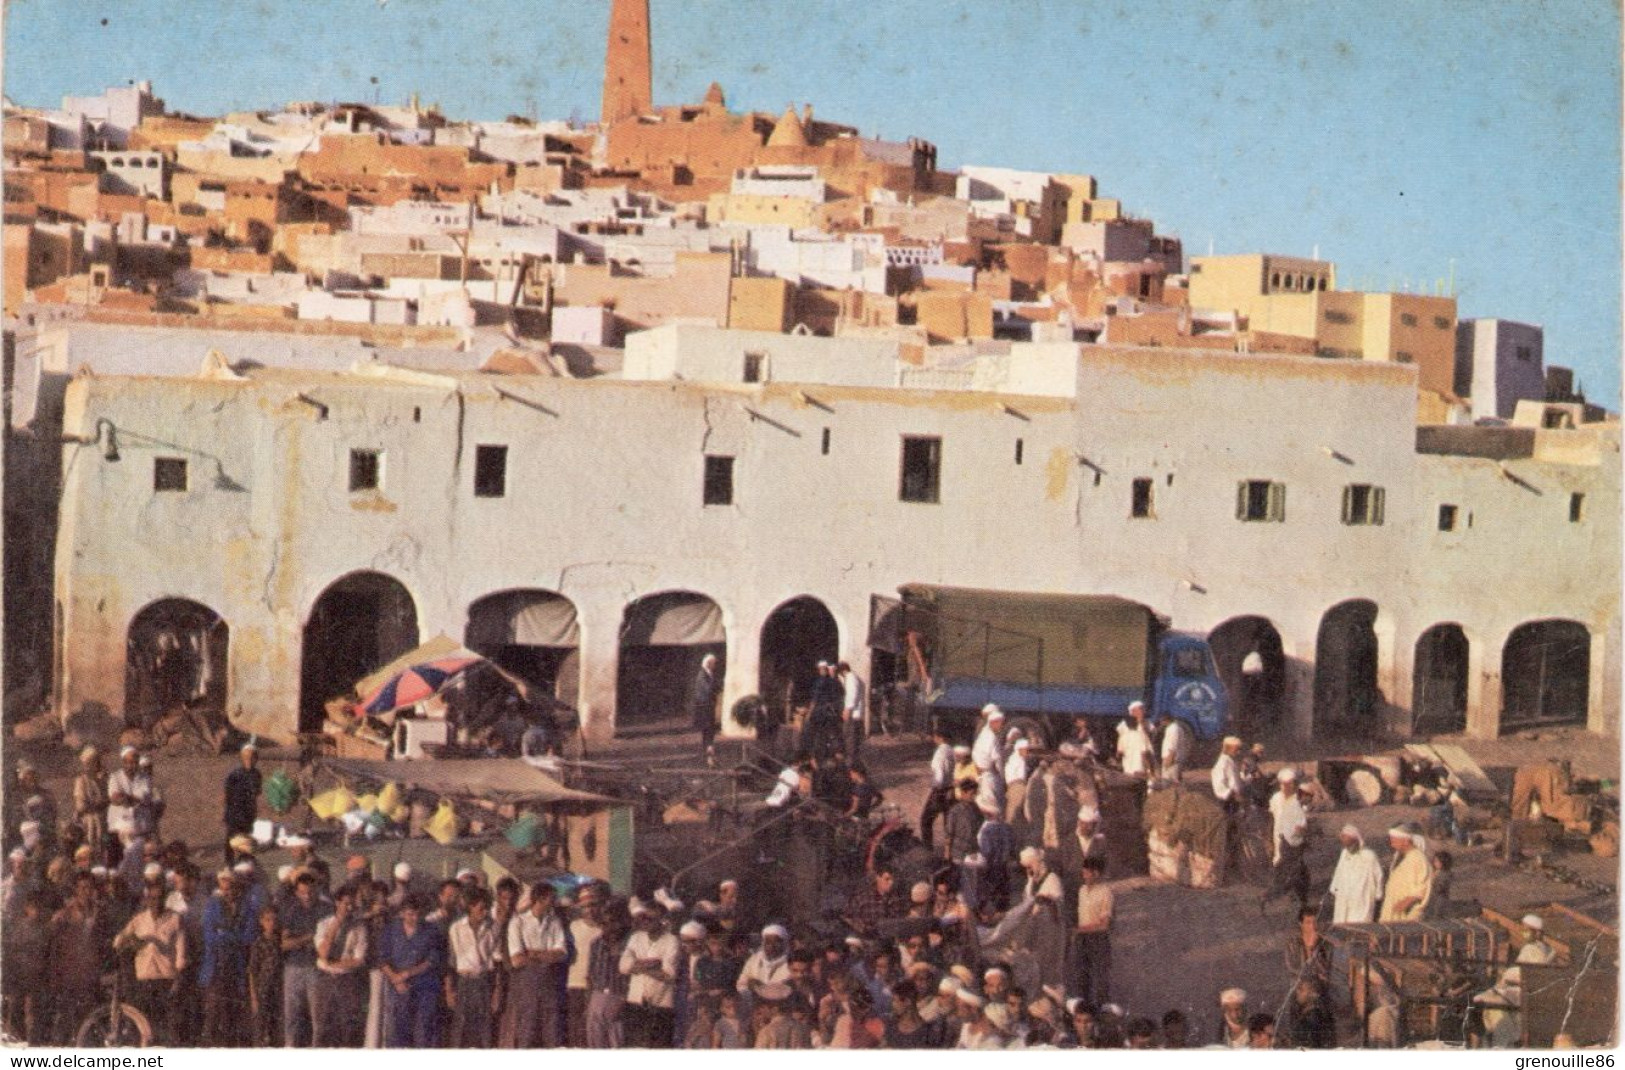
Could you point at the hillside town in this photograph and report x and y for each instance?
(709, 578)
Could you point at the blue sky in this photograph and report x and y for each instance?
(1396, 135)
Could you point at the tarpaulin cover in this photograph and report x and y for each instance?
(679, 619)
(523, 618)
(1089, 640)
(499, 780)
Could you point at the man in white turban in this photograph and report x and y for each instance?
(1410, 879)
(1356, 882)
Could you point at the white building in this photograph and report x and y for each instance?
(1498, 364)
(606, 533)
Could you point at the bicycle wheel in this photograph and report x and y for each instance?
(103, 1028)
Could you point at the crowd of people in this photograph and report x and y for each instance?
(989, 926)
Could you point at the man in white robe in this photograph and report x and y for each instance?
(1410, 879)
(1356, 882)
(1134, 746)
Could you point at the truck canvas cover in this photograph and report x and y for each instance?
(1044, 652)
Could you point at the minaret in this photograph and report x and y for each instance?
(628, 84)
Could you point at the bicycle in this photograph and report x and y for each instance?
(115, 1024)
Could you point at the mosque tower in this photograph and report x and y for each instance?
(628, 84)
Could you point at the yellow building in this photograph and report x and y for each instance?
(1299, 297)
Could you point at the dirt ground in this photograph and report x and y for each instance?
(1172, 946)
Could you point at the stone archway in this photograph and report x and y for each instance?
(531, 633)
(795, 638)
(1348, 702)
(359, 623)
(663, 639)
(1439, 681)
(1545, 675)
(1252, 664)
(175, 657)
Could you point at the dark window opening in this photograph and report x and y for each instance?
(417, 414)
(1140, 506)
(364, 469)
(1261, 500)
(823, 443)
(1447, 518)
(1577, 503)
(719, 480)
(1363, 504)
(169, 473)
(490, 471)
(1020, 448)
(922, 470)
(753, 367)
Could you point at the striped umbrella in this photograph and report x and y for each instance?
(414, 684)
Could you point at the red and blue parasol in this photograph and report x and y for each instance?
(415, 684)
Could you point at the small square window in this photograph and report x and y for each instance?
(490, 471)
(1363, 504)
(1407, 319)
(1447, 518)
(922, 470)
(1402, 357)
(719, 480)
(1526, 353)
(1577, 504)
(1260, 500)
(753, 367)
(365, 468)
(1141, 502)
(169, 473)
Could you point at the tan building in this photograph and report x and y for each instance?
(1294, 296)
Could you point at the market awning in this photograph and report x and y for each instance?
(494, 780)
(677, 619)
(523, 618)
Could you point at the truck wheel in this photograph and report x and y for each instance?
(1033, 730)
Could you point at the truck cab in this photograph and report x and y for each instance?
(1187, 685)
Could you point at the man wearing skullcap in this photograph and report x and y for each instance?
(1535, 951)
(1226, 776)
(768, 964)
(90, 800)
(1233, 1031)
(821, 736)
(242, 794)
(1289, 832)
(987, 754)
(649, 962)
(38, 803)
(229, 928)
(1356, 882)
(1134, 747)
(1410, 879)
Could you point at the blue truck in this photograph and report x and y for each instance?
(1045, 659)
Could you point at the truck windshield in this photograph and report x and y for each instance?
(1188, 663)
